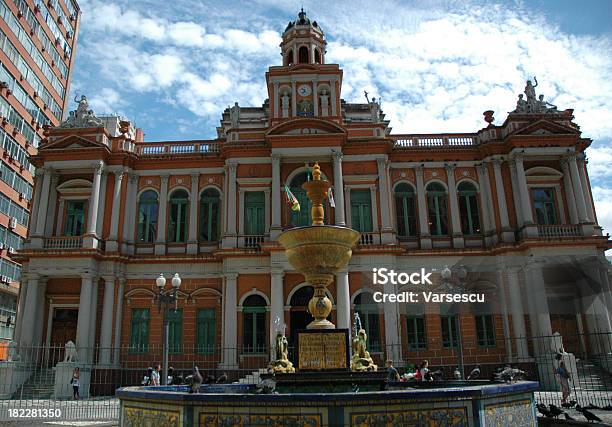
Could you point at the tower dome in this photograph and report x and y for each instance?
(303, 42)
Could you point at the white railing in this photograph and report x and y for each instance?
(70, 242)
(252, 241)
(367, 239)
(558, 231)
(157, 149)
(407, 141)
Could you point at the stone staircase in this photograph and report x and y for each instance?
(254, 377)
(591, 376)
(40, 385)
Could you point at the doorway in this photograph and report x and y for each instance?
(63, 326)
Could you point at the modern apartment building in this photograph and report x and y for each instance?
(37, 44)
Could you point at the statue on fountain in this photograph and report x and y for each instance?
(361, 360)
(281, 364)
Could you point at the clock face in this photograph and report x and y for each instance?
(304, 90)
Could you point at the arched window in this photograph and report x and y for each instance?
(361, 210)
(254, 324)
(289, 57)
(317, 56)
(438, 214)
(468, 207)
(303, 55)
(209, 215)
(177, 227)
(544, 205)
(405, 210)
(302, 217)
(147, 216)
(370, 319)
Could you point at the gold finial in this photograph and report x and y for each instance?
(316, 172)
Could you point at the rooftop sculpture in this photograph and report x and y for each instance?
(531, 105)
(82, 117)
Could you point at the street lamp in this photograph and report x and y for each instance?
(458, 288)
(166, 298)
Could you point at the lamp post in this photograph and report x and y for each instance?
(457, 288)
(166, 298)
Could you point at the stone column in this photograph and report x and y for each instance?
(375, 223)
(90, 240)
(266, 210)
(315, 97)
(385, 203)
(160, 242)
(131, 206)
(101, 205)
(44, 203)
(40, 311)
(277, 305)
(112, 244)
(347, 201)
(36, 199)
(29, 313)
(425, 236)
(343, 301)
(529, 228)
(194, 202)
(276, 101)
(586, 190)
(393, 343)
(229, 241)
(569, 192)
(539, 314)
(82, 332)
(60, 217)
(503, 303)
(334, 98)
(580, 202)
(52, 206)
(338, 189)
(293, 100)
(276, 197)
(118, 320)
(458, 241)
(230, 334)
(507, 233)
(516, 198)
(93, 315)
(106, 328)
(517, 312)
(21, 306)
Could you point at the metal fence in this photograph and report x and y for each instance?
(38, 378)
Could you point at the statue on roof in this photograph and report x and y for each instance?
(82, 117)
(533, 105)
(235, 115)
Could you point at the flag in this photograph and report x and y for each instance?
(292, 200)
(330, 196)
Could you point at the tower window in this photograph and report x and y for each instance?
(317, 56)
(303, 55)
(289, 57)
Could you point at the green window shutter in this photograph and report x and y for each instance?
(361, 210)
(254, 213)
(417, 339)
(75, 218)
(175, 330)
(139, 337)
(205, 330)
(209, 216)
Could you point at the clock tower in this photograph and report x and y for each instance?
(304, 86)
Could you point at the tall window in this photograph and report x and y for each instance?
(438, 214)
(468, 207)
(417, 338)
(370, 320)
(405, 210)
(485, 330)
(175, 330)
(139, 338)
(147, 216)
(205, 330)
(317, 56)
(361, 210)
(302, 217)
(209, 215)
(75, 218)
(177, 228)
(254, 324)
(254, 213)
(303, 55)
(450, 333)
(544, 206)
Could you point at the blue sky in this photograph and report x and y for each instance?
(172, 67)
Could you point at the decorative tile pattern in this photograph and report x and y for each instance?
(142, 417)
(516, 414)
(268, 420)
(451, 417)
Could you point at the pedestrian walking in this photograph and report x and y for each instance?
(76, 383)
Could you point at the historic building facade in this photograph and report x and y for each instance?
(37, 41)
(506, 211)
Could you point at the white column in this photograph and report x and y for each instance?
(52, 205)
(23, 289)
(338, 189)
(106, 328)
(93, 315)
(60, 217)
(586, 189)
(334, 98)
(539, 314)
(40, 311)
(29, 312)
(101, 205)
(516, 199)
(266, 211)
(569, 192)
(343, 301)
(111, 244)
(94, 200)
(503, 303)
(315, 96)
(277, 306)
(375, 223)
(393, 342)
(82, 332)
(385, 203)
(458, 241)
(131, 206)
(276, 101)
(293, 100)
(507, 234)
(425, 236)
(523, 191)
(487, 199)
(347, 201)
(194, 202)
(44, 202)
(276, 197)
(580, 202)
(230, 238)
(160, 241)
(230, 324)
(517, 312)
(38, 182)
(118, 320)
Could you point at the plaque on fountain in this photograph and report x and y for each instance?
(323, 349)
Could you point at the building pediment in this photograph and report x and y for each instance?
(72, 142)
(307, 126)
(546, 127)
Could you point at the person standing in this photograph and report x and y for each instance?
(170, 379)
(392, 374)
(155, 375)
(563, 378)
(76, 383)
